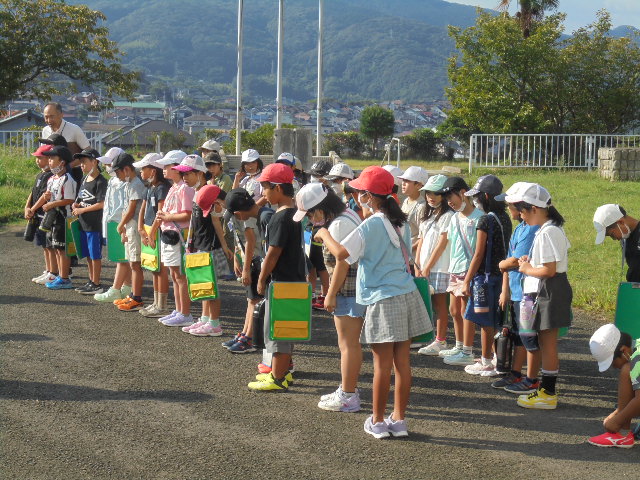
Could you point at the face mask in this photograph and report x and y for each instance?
(462, 206)
(624, 235)
(314, 180)
(337, 187)
(56, 170)
(197, 185)
(110, 170)
(477, 204)
(364, 204)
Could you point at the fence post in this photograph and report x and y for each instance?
(472, 149)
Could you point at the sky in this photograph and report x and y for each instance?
(581, 12)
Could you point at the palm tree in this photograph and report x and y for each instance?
(530, 10)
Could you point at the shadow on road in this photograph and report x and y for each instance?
(23, 337)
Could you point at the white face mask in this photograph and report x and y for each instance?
(364, 204)
(477, 204)
(314, 180)
(624, 235)
(56, 170)
(462, 206)
(197, 185)
(337, 187)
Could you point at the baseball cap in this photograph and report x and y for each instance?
(110, 156)
(489, 184)
(515, 188)
(340, 170)
(396, 172)
(531, 193)
(121, 161)
(54, 139)
(239, 200)
(87, 153)
(453, 184)
(308, 197)
(605, 216)
(434, 183)
(191, 162)
(603, 345)
(42, 148)
(149, 160)
(415, 174)
(288, 158)
(172, 157)
(250, 155)
(206, 197)
(321, 168)
(277, 173)
(63, 152)
(212, 157)
(210, 145)
(374, 179)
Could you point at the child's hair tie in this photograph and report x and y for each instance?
(390, 196)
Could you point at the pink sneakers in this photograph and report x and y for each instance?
(193, 326)
(613, 440)
(206, 330)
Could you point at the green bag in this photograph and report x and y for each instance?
(72, 238)
(150, 257)
(628, 309)
(423, 288)
(290, 311)
(201, 276)
(115, 247)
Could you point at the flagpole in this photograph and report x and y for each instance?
(279, 74)
(319, 99)
(239, 80)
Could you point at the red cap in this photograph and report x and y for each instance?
(206, 197)
(277, 173)
(375, 180)
(41, 149)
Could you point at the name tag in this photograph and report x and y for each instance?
(153, 201)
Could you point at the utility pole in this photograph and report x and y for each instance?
(279, 74)
(319, 99)
(239, 79)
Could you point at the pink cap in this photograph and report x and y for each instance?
(41, 149)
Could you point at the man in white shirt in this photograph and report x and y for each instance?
(76, 139)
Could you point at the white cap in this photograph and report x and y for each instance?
(191, 162)
(435, 183)
(605, 216)
(308, 197)
(110, 156)
(533, 194)
(289, 158)
(210, 145)
(340, 170)
(149, 160)
(172, 157)
(603, 345)
(415, 174)
(514, 189)
(250, 155)
(396, 172)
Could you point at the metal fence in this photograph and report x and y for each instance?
(542, 151)
(26, 141)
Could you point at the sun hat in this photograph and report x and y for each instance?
(277, 173)
(206, 197)
(191, 162)
(210, 145)
(308, 197)
(489, 184)
(172, 157)
(63, 152)
(603, 345)
(149, 160)
(288, 158)
(533, 194)
(110, 156)
(374, 179)
(250, 155)
(239, 200)
(396, 172)
(605, 216)
(340, 170)
(415, 174)
(434, 183)
(41, 149)
(453, 184)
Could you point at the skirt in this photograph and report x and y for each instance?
(553, 308)
(439, 281)
(396, 319)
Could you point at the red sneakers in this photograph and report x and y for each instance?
(613, 440)
(318, 302)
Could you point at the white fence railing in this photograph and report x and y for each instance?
(26, 141)
(542, 150)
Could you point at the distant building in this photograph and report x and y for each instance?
(198, 123)
(20, 120)
(143, 136)
(151, 110)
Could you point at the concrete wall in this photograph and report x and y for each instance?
(619, 163)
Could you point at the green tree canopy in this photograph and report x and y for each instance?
(422, 143)
(376, 123)
(44, 40)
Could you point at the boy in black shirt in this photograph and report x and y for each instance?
(284, 261)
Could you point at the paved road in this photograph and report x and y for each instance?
(89, 392)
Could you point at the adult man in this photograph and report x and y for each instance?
(76, 139)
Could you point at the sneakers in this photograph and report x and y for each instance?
(264, 368)
(327, 396)
(168, 317)
(538, 400)
(459, 358)
(118, 301)
(261, 377)
(84, 287)
(524, 386)
(452, 351)
(179, 320)
(206, 330)
(59, 283)
(318, 303)
(479, 369)
(129, 305)
(126, 291)
(44, 279)
(93, 289)
(269, 384)
(188, 328)
(110, 295)
(40, 277)
(233, 340)
(152, 311)
(339, 401)
(243, 345)
(508, 380)
(433, 348)
(397, 428)
(378, 430)
(613, 440)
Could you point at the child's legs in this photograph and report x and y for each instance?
(625, 395)
(180, 284)
(519, 357)
(50, 260)
(402, 385)
(63, 262)
(469, 333)
(211, 308)
(439, 301)
(548, 340)
(175, 272)
(313, 274)
(247, 328)
(280, 364)
(486, 336)
(137, 278)
(162, 279)
(324, 281)
(533, 364)
(383, 357)
(123, 275)
(348, 329)
(457, 306)
(90, 268)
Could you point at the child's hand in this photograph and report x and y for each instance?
(246, 278)
(425, 272)
(27, 213)
(319, 236)
(503, 301)
(47, 195)
(330, 303)
(611, 423)
(524, 267)
(152, 241)
(162, 216)
(46, 207)
(466, 288)
(120, 229)
(262, 286)
(227, 251)
(240, 175)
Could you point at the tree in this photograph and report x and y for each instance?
(375, 123)
(46, 40)
(530, 11)
(421, 143)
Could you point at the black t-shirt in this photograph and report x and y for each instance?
(39, 187)
(283, 232)
(90, 193)
(632, 255)
(204, 235)
(155, 194)
(499, 241)
(76, 174)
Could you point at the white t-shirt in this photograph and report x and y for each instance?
(71, 133)
(414, 210)
(430, 232)
(343, 225)
(62, 188)
(549, 245)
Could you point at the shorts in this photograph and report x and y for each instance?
(439, 281)
(133, 247)
(56, 237)
(40, 239)
(348, 307)
(455, 284)
(274, 346)
(220, 262)
(316, 258)
(171, 255)
(91, 245)
(252, 289)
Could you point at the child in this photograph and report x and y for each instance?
(60, 194)
(247, 177)
(324, 208)
(462, 237)
(284, 262)
(213, 162)
(35, 215)
(151, 173)
(493, 233)
(289, 159)
(174, 217)
(252, 221)
(610, 347)
(609, 221)
(88, 207)
(395, 311)
(135, 192)
(413, 179)
(526, 341)
(546, 281)
(338, 177)
(432, 257)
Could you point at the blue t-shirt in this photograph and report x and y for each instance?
(520, 245)
(382, 271)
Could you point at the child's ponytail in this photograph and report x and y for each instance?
(391, 210)
(554, 216)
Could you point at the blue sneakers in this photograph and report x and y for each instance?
(59, 283)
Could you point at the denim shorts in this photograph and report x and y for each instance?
(348, 307)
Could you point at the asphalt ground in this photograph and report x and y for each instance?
(87, 391)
